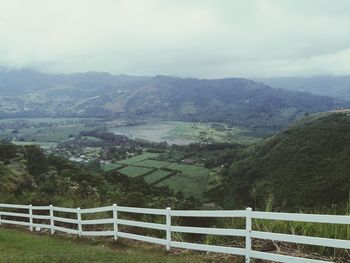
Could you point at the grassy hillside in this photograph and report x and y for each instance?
(17, 246)
(307, 166)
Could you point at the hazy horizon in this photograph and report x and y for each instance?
(202, 39)
(9, 68)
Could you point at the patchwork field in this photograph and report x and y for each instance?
(192, 181)
(110, 167)
(153, 163)
(139, 158)
(190, 169)
(156, 176)
(134, 171)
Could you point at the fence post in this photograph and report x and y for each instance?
(248, 237)
(115, 221)
(168, 229)
(30, 218)
(79, 222)
(52, 222)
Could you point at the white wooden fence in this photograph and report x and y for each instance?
(7, 217)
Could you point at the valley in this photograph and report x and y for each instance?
(171, 164)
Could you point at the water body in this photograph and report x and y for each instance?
(154, 132)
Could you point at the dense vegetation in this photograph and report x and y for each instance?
(304, 167)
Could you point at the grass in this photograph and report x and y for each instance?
(44, 129)
(45, 145)
(153, 163)
(156, 176)
(134, 171)
(19, 246)
(111, 166)
(210, 132)
(192, 181)
(139, 158)
(51, 134)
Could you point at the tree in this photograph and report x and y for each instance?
(36, 160)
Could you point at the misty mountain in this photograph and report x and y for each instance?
(242, 102)
(338, 87)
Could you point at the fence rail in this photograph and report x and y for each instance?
(52, 221)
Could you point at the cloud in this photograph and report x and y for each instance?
(199, 38)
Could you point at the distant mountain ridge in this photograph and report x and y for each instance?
(237, 101)
(333, 86)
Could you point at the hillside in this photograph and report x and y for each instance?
(239, 102)
(333, 86)
(304, 167)
(27, 175)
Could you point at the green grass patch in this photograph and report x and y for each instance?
(156, 176)
(50, 134)
(139, 158)
(45, 145)
(19, 246)
(192, 181)
(153, 163)
(134, 171)
(111, 166)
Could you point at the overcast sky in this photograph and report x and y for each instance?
(207, 39)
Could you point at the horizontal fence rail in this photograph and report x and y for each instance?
(23, 215)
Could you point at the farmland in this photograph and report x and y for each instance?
(185, 132)
(134, 171)
(192, 181)
(156, 176)
(110, 167)
(46, 132)
(152, 163)
(139, 158)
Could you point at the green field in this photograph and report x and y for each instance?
(209, 132)
(192, 181)
(41, 120)
(156, 175)
(44, 130)
(190, 169)
(44, 145)
(111, 166)
(139, 158)
(185, 132)
(134, 171)
(152, 163)
(20, 246)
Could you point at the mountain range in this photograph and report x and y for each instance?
(333, 86)
(236, 101)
